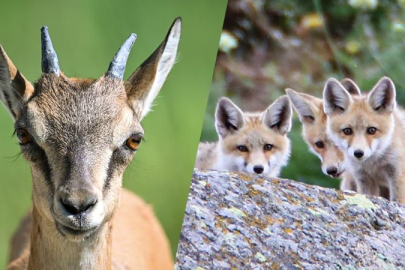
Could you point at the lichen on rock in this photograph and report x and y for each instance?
(234, 221)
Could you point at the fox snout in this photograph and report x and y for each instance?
(257, 162)
(332, 159)
(333, 170)
(358, 153)
(258, 169)
(360, 149)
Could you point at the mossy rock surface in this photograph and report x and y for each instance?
(233, 221)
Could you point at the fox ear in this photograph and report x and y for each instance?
(228, 117)
(351, 87)
(278, 115)
(305, 105)
(14, 88)
(336, 99)
(382, 97)
(145, 83)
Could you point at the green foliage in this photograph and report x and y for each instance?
(86, 35)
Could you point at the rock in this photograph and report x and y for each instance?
(233, 221)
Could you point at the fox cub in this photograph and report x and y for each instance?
(313, 119)
(370, 130)
(249, 142)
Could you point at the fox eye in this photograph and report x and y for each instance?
(320, 144)
(347, 131)
(267, 147)
(371, 130)
(133, 142)
(23, 136)
(242, 148)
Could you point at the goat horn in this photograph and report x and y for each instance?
(117, 66)
(50, 63)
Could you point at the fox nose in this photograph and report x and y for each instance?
(331, 170)
(78, 207)
(258, 169)
(358, 153)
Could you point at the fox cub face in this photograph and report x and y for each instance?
(254, 142)
(313, 119)
(360, 125)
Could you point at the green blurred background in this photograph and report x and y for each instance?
(86, 35)
(269, 45)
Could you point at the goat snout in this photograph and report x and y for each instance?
(78, 207)
(76, 202)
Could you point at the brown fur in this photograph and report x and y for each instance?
(141, 256)
(78, 130)
(383, 162)
(314, 123)
(253, 131)
(254, 135)
(313, 119)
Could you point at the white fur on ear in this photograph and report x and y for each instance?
(383, 95)
(278, 115)
(164, 66)
(335, 97)
(302, 106)
(228, 117)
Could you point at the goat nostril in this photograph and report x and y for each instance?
(358, 153)
(70, 207)
(89, 204)
(331, 170)
(78, 208)
(258, 169)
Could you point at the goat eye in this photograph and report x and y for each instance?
(242, 148)
(23, 136)
(267, 147)
(347, 131)
(371, 130)
(133, 142)
(320, 144)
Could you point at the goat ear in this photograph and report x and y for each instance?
(145, 83)
(336, 99)
(228, 117)
(14, 88)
